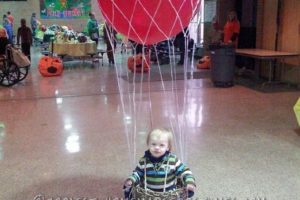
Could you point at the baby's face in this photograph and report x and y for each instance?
(158, 145)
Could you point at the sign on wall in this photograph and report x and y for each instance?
(65, 9)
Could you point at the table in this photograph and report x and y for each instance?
(75, 49)
(269, 55)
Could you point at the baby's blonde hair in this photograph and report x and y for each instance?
(161, 131)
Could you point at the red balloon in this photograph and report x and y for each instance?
(148, 21)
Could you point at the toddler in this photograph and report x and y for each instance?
(159, 169)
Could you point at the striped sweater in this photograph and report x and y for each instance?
(156, 177)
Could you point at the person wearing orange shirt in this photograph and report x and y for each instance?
(231, 29)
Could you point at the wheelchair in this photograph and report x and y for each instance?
(12, 70)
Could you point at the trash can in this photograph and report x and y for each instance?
(222, 64)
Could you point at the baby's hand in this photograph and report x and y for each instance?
(127, 188)
(190, 189)
(128, 183)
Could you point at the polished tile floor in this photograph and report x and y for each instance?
(79, 135)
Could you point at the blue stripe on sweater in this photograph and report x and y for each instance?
(140, 173)
(180, 169)
(152, 172)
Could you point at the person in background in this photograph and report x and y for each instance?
(92, 26)
(9, 29)
(34, 23)
(25, 34)
(215, 31)
(137, 48)
(4, 17)
(3, 41)
(10, 18)
(231, 29)
(180, 43)
(109, 35)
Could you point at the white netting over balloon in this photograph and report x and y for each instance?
(158, 33)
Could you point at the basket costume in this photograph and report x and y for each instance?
(159, 175)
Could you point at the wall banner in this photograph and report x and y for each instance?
(65, 9)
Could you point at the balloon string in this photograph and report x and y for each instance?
(148, 58)
(177, 15)
(125, 17)
(152, 19)
(180, 119)
(134, 111)
(128, 136)
(131, 138)
(178, 115)
(174, 127)
(131, 18)
(153, 22)
(167, 96)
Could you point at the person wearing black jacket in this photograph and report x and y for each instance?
(180, 43)
(109, 35)
(25, 34)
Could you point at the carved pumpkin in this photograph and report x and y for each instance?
(50, 66)
(204, 63)
(139, 63)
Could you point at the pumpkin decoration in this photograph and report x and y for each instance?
(50, 66)
(204, 63)
(139, 63)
